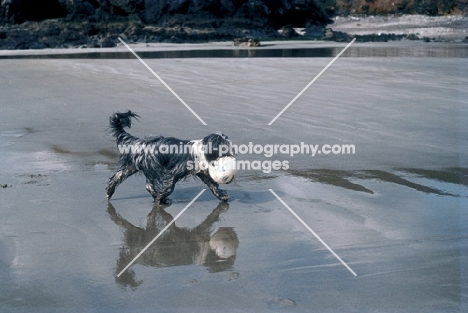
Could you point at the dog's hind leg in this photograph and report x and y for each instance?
(160, 189)
(164, 198)
(214, 187)
(151, 189)
(118, 178)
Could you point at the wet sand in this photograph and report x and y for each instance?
(395, 211)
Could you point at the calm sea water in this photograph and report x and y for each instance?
(446, 51)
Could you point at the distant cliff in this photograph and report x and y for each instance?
(200, 13)
(252, 13)
(37, 24)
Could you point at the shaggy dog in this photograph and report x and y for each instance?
(164, 170)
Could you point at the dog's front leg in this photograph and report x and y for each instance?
(214, 187)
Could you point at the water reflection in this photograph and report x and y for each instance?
(432, 51)
(344, 179)
(177, 246)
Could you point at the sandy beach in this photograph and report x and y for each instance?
(437, 28)
(395, 211)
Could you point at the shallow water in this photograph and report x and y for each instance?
(395, 211)
(269, 51)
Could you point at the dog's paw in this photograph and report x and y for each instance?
(166, 201)
(109, 193)
(222, 195)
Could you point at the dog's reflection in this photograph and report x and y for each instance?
(215, 250)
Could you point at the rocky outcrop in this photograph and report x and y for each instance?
(34, 24)
(260, 13)
(97, 23)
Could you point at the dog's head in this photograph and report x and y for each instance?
(217, 145)
(207, 153)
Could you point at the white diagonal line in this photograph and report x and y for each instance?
(160, 233)
(313, 80)
(313, 233)
(162, 81)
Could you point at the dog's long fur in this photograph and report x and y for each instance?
(163, 171)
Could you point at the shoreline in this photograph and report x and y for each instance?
(36, 36)
(150, 50)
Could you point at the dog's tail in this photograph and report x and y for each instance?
(118, 122)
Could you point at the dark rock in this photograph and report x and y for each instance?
(336, 36)
(109, 42)
(73, 37)
(84, 9)
(288, 32)
(246, 42)
(134, 30)
(93, 44)
(23, 45)
(92, 30)
(37, 45)
(175, 39)
(314, 32)
(379, 37)
(328, 34)
(51, 31)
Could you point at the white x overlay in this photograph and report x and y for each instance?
(313, 80)
(160, 233)
(272, 121)
(313, 233)
(162, 81)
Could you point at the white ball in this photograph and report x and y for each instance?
(223, 170)
(224, 242)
